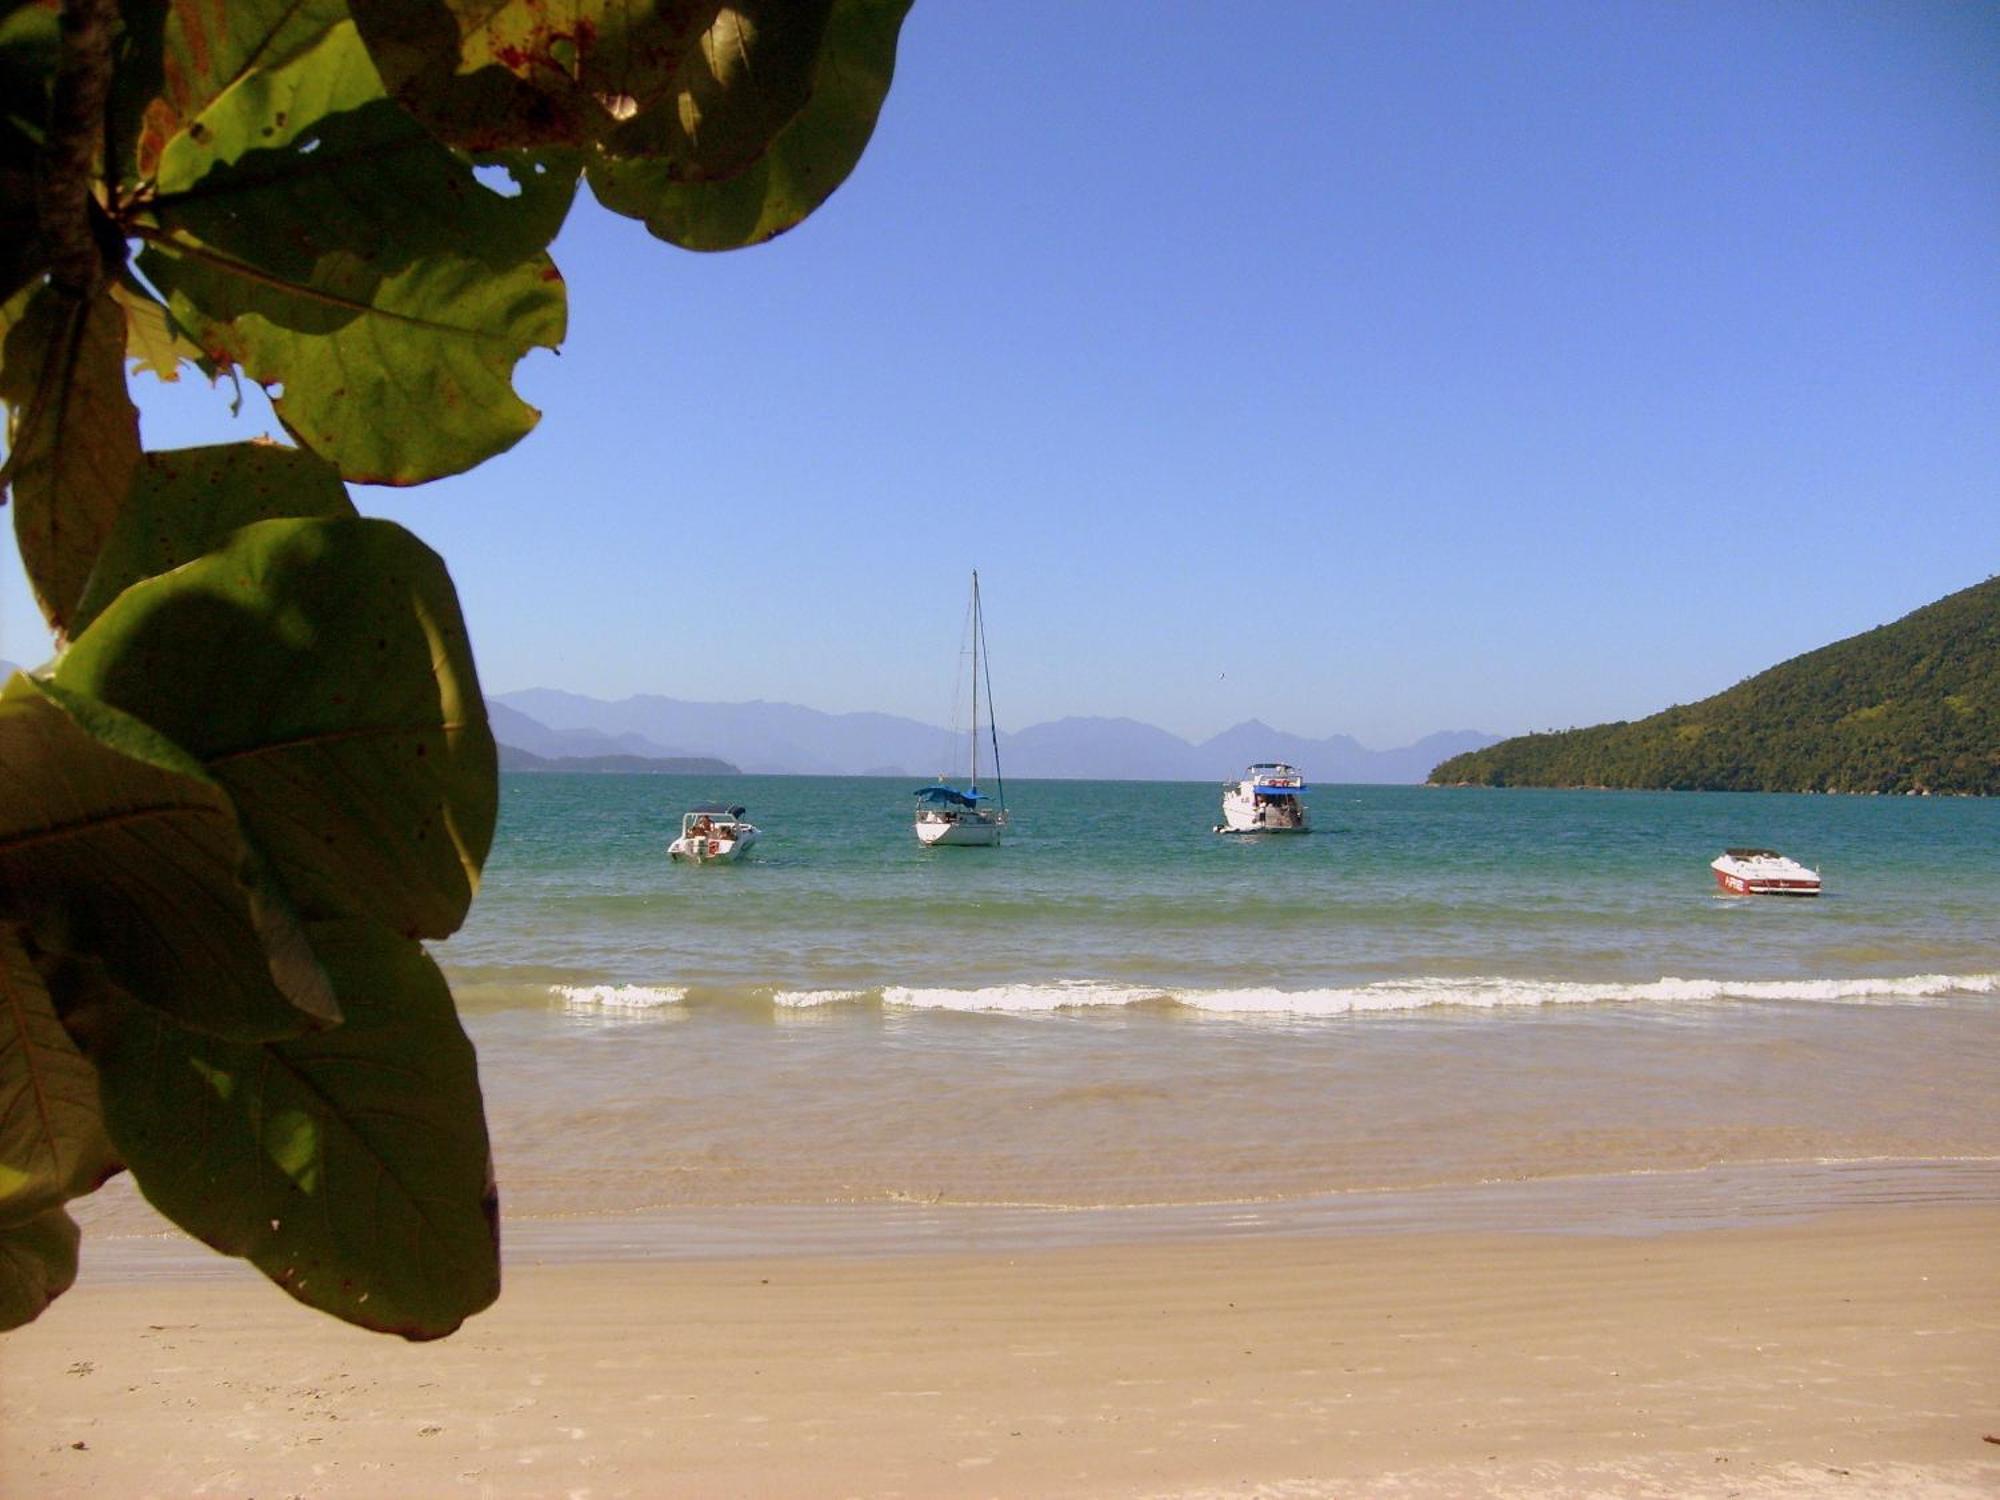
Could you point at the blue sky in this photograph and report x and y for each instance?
(1369, 369)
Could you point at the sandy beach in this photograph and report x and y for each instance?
(1856, 1354)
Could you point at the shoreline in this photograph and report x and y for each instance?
(1848, 1353)
(1632, 1204)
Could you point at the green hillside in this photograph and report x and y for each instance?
(1908, 707)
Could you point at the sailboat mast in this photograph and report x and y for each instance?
(992, 723)
(975, 679)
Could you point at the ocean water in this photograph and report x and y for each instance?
(1438, 992)
(1443, 1008)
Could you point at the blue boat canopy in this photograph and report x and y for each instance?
(949, 794)
(1264, 789)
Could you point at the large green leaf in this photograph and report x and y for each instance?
(185, 501)
(37, 1265)
(52, 1141)
(351, 1167)
(114, 843)
(208, 47)
(311, 232)
(73, 438)
(806, 161)
(319, 669)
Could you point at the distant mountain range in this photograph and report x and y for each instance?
(545, 729)
(515, 759)
(1912, 707)
(787, 739)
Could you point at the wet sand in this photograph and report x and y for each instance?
(1853, 1354)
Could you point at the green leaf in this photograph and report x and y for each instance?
(311, 232)
(113, 843)
(319, 669)
(185, 501)
(73, 439)
(52, 1141)
(37, 1265)
(351, 1167)
(491, 74)
(808, 159)
(745, 80)
(208, 47)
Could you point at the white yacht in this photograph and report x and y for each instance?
(1265, 800)
(966, 816)
(713, 834)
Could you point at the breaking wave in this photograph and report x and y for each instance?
(1389, 996)
(618, 999)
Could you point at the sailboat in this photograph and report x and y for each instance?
(948, 814)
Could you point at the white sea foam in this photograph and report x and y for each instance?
(807, 999)
(1473, 993)
(1064, 994)
(621, 999)
(1383, 996)
(1495, 993)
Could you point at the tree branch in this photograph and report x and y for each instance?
(76, 126)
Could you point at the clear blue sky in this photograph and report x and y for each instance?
(1365, 368)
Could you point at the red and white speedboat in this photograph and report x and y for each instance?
(1763, 872)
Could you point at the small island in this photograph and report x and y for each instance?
(1910, 708)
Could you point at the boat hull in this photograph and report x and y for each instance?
(710, 851)
(1740, 885)
(964, 833)
(1243, 813)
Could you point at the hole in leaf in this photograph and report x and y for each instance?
(497, 179)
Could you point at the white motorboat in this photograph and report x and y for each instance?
(1265, 800)
(965, 816)
(713, 834)
(1763, 872)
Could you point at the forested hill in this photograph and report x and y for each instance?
(1908, 707)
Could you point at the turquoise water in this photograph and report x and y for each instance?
(1402, 895)
(1437, 992)
(1531, 1007)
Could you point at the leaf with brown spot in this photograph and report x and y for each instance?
(207, 47)
(494, 74)
(316, 236)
